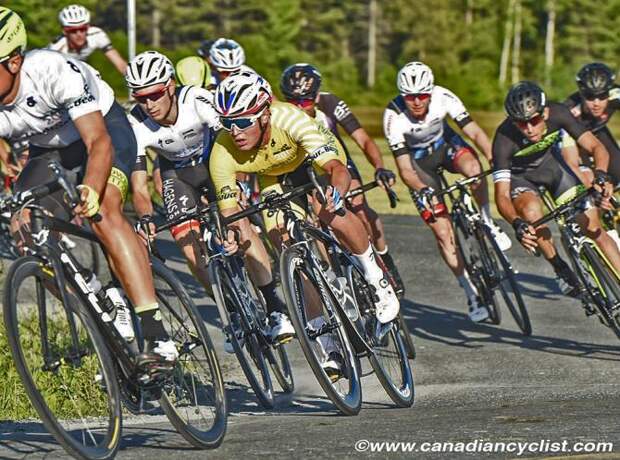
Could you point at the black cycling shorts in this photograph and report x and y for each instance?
(74, 157)
(183, 188)
(553, 174)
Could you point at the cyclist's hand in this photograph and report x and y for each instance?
(333, 200)
(603, 185)
(231, 245)
(385, 177)
(13, 170)
(145, 227)
(426, 198)
(526, 234)
(89, 198)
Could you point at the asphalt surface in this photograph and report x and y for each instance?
(475, 383)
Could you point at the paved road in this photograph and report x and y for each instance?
(474, 383)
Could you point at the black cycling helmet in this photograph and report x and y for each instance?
(524, 101)
(300, 81)
(595, 79)
(205, 47)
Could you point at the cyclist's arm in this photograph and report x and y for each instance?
(98, 144)
(5, 159)
(592, 145)
(339, 176)
(479, 137)
(140, 190)
(369, 147)
(408, 174)
(570, 154)
(117, 60)
(504, 201)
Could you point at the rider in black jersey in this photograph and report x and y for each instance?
(526, 155)
(594, 105)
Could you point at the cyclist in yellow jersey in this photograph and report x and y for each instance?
(273, 139)
(194, 71)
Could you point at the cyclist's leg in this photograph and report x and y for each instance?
(127, 254)
(180, 196)
(590, 222)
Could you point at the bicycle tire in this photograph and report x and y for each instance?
(518, 311)
(293, 270)
(472, 263)
(406, 335)
(227, 297)
(390, 351)
(105, 439)
(608, 286)
(186, 382)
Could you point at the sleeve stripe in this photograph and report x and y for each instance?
(502, 175)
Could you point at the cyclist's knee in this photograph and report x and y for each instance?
(180, 232)
(442, 230)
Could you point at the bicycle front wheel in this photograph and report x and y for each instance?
(194, 399)
(501, 276)
(605, 278)
(302, 293)
(249, 348)
(63, 362)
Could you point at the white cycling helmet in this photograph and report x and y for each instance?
(415, 78)
(74, 16)
(147, 69)
(242, 94)
(226, 54)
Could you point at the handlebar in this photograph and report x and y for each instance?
(60, 182)
(392, 196)
(564, 208)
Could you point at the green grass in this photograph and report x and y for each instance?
(68, 392)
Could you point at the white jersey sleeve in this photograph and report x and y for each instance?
(394, 134)
(454, 106)
(203, 102)
(98, 39)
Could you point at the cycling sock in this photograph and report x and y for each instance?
(382, 253)
(271, 298)
(557, 263)
(485, 211)
(469, 288)
(369, 264)
(152, 326)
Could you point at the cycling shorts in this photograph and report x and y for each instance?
(74, 157)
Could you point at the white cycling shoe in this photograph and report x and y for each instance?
(501, 238)
(387, 304)
(477, 311)
(282, 329)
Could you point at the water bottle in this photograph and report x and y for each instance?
(122, 319)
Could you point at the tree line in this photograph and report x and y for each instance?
(477, 48)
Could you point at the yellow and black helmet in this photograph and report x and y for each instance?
(12, 33)
(193, 70)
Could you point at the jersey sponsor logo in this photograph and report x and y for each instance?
(539, 146)
(81, 101)
(282, 149)
(323, 150)
(203, 99)
(226, 193)
(188, 133)
(342, 110)
(31, 102)
(398, 146)
(162, 142)
(273, 143)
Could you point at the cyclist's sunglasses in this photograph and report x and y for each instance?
(71, 30)
(591, 96)
(534, 121)
(418, 96)
(303, 103)
(155, 96)
(241, 123)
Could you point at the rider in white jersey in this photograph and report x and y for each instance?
(79, 39)
(71, 117)
(180, 124)
(422, 142)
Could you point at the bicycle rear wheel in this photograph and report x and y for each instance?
(250, 349)
(301, 290)
(71, 384)
(389, 355)
(194, 398)
(604, 277)
(501, 276)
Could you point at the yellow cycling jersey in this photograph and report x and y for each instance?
(294, 137)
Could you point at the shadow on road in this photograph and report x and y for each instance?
(455, 329)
